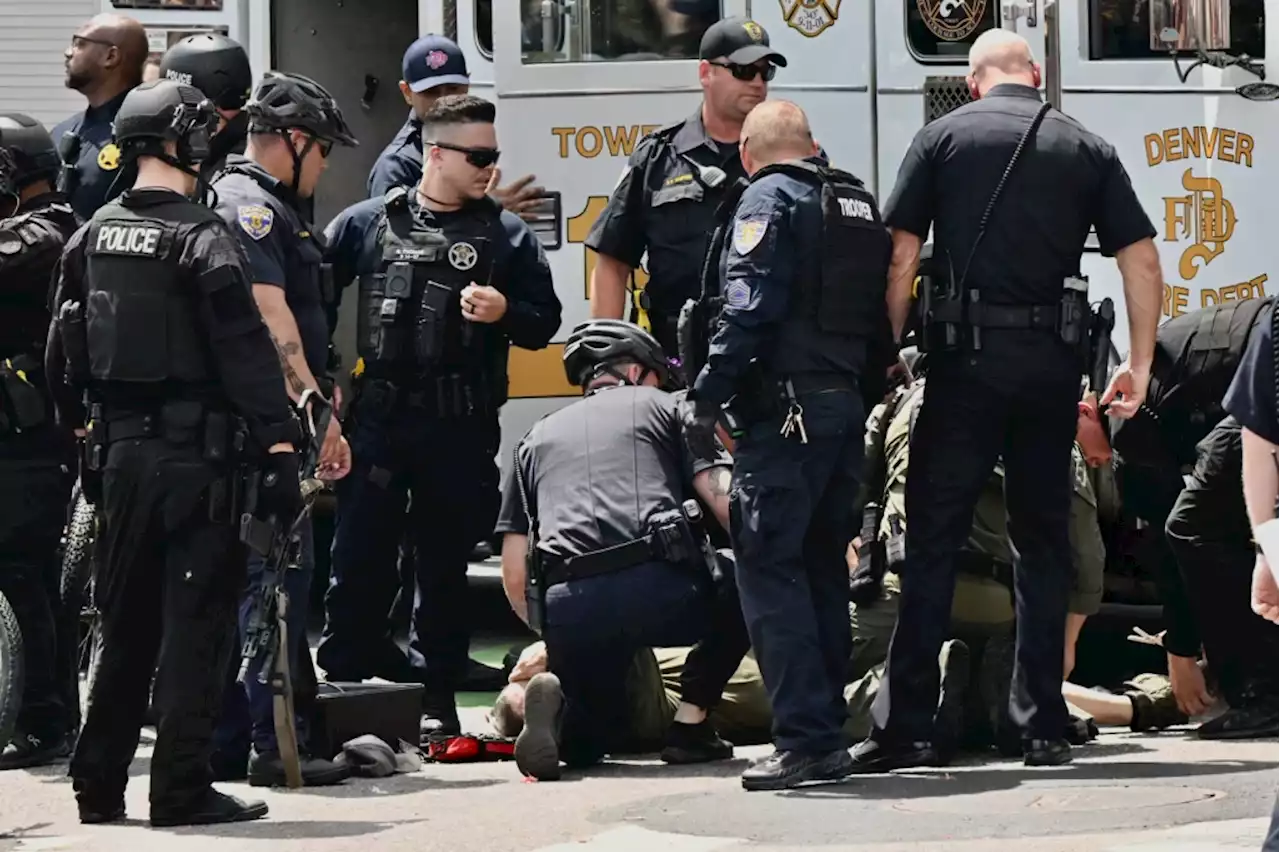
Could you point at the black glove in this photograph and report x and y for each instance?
(279, 495)
(699, 420)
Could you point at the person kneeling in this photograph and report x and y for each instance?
(606, 492)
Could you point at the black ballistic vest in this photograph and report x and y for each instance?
(838, 311)
(410, 321)
(38, 235)
(141, 323)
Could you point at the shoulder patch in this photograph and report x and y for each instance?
(737, 294)
(747, 234)
(255, 219)
(109, 157)
(10, 243)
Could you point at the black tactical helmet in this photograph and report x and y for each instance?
(165, 111)
(214, 64)
(27, 153)
(290, 101)
(600, 342)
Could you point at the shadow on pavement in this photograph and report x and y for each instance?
(649, 766)
(24, 831)
(395, 785)
(269, 829)
(972, 782)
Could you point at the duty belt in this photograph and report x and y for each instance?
(986, 315)
(450, 395)
(671, 538)
(987, 567)
(607, 561)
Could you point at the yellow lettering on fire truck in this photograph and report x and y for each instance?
(1208, 143)
(589, 141)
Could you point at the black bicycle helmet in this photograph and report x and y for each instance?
(165, 111)
(214, 64)
(597, 343)
(282, 102)
(27, 153)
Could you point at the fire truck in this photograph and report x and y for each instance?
(1184, 89)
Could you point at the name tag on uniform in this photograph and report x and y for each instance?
(856, 208)
(128, 240)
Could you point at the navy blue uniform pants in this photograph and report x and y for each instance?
(33, 501)
(595, 626)
(1017, 399)
(166, 589)
(444, 471)
(791, 519)
(247, 708)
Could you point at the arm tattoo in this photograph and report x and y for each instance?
(721, 481)
(290, 374)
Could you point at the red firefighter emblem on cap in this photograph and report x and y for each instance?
(436, 59)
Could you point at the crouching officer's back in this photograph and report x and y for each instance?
(157, 328)
(803, 280)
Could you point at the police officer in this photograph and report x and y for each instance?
(293, 124)
(219, 67)
(104, 62)
(600, 479)
(157, 327)
(35, 455)
(447, 283)
(666, 199)
(434, 66)
(798, 309)
(1012, 384)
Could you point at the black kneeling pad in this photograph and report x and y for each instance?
(344, 711)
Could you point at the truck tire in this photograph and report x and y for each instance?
(11, 670)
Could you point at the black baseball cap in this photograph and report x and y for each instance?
(434, 60)
(740, 41)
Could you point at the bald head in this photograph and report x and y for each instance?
(1000, 56)
(106, 57)
(775, 131)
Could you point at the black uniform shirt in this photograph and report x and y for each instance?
(84, 142)
(1066, 180)
(1252, 397)
(243, 357)
(597, 470)
(400, 163)
(660, 207)
(278, 242)
(31, 241)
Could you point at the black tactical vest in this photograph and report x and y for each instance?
(141, 323)
(838, 310)
(30, 243)
(410, 320)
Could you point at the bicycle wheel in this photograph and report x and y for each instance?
(11, 670)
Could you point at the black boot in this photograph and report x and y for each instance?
(694, 744)
(783, 770)
(1046, 752)
(537, 749)
(439, 716)
(213, 809)
(1254, 714)
(267, 770)
(872, 756)
(27, 750)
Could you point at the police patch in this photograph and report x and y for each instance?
(463, 256)
(255, 220)
(737, 294)
(109, 158)
(747, 234)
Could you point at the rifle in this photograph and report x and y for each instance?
(279, 542)
(1104, 321)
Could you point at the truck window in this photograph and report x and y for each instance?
(204, 5)
(484, 26)
(613, 30)
(1123, 29)
(942, 31)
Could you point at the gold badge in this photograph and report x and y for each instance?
(810, 18)
(754, 31)
(748, 233)
(109, 158)
(952, 20)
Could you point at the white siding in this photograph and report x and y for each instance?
(33, 36)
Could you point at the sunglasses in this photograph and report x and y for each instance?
(79, 41)
(481, 158)
(747, 73)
